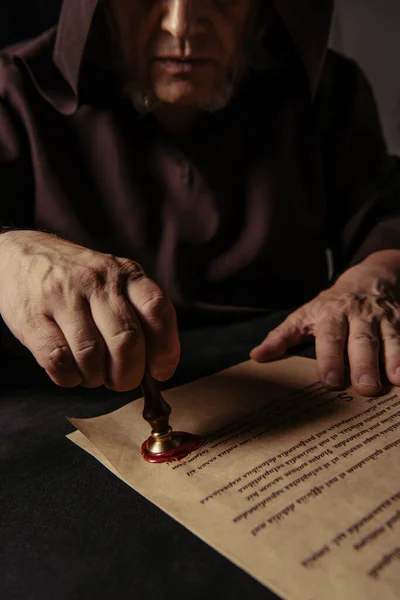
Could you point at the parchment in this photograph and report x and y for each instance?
(298, 486)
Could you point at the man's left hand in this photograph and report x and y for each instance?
(360, 311)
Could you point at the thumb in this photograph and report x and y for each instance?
(158, 320)
(277, 342)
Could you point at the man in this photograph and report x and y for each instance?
(202, 155)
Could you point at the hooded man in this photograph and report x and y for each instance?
(163, 156)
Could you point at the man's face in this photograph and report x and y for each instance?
(183, 52)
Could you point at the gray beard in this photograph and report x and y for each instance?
(145, 100)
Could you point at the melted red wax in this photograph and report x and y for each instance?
(189, 443)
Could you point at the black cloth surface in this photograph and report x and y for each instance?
(69, 529)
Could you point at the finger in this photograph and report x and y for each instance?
(85, 342)
(277, 342)
(115, 319)
(363, 349)
(330, 344)
(158, 320)
(390, 335)
(51, 350)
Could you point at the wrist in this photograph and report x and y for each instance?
(6, 233)
(388, 260)
(380, 270)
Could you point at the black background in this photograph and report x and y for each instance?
(23, 19)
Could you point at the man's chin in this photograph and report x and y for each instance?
(210, 99)
(181, 95)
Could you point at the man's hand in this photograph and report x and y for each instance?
(88, 318)
(361, 311)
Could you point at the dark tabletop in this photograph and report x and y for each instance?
(69, 529)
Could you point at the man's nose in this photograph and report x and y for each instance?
(180, 18)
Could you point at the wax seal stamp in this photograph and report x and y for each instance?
(164, 445)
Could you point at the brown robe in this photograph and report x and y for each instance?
(239, 216)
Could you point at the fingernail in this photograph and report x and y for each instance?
(334, 379)
(369, 380)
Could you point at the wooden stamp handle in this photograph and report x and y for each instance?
(156, 410)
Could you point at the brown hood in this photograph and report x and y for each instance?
(307, 22)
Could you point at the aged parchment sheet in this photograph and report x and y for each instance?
(298, 486)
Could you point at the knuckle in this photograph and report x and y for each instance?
(332, 337)
(126, 338)
(391, 336)
(103, 270)
(38, 321)
(54, 358)
(111, 274)
(89, 349)
(57, 362)
(130, 269)
(307, 327)
(365, 337)
(93, 278)
(97, 278)
(352, 304)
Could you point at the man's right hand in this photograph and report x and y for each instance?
(89, 319)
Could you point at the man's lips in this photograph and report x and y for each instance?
(181, 65)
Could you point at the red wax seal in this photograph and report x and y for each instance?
(189, 443)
